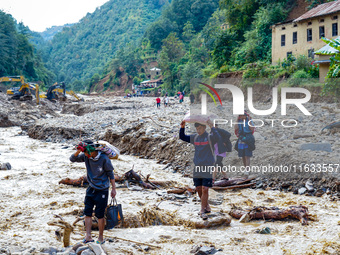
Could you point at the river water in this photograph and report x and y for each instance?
(30, 195)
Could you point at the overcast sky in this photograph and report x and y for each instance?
(41, 14)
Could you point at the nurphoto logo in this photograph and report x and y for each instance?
(238, 100)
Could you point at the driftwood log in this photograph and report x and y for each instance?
(234, 186)
(182, 190)
(264, 213)
(235, 183)
(231, 182)
(160, 184)
(133, 176)
(67, 227)
(82, 181)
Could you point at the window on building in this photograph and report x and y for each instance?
(321, 20)
(294, 37)
(309, 23)
(309, 35)
(283, 28)
(283, 40)
(335, 17)
(321, 31)
(289, 53)
(334, 29)
(311, 53)
(295, 25)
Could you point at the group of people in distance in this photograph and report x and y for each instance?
(165, 101)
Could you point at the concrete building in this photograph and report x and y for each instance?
(155, 72)
(302, 36)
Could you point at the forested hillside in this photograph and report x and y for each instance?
(49, 33)
(196, 38)
(201, 38)
(17, 55)
(116, 44)
(82, 50)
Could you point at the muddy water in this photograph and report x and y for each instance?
(30, 195)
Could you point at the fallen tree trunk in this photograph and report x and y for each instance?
(163, 184)
(132, 175)
(82, 181)
(264, 213)
(231, 182)
(234, 186)
(181, 190)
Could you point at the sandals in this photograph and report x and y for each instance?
(85, 241)
(204, 216)
(99, 242)
(205, 211)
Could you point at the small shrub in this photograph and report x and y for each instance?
(300, 74)
(303, 63)
(224, 69)
(314, 71)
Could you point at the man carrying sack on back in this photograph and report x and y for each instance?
(99, 175)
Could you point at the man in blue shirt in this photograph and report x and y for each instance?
(99, 175)
(204, 160)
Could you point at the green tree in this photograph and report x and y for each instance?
(188, 32)
(212, 30)
(239, 15)
(224, 46)
(169, 60)
(158, 31)
(190, 71)
(257, 44)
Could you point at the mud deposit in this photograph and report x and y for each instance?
(39, 153)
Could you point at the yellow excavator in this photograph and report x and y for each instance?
(58, 92)
(25, 91)
(71, 92)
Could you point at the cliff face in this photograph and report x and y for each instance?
(125, 82)
(300, 7)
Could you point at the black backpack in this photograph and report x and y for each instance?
(225, 135)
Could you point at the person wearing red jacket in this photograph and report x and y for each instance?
(158, 101)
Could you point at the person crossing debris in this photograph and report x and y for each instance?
(244, 129)
(99, 175)
(204, 159)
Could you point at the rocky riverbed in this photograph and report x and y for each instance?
(38, 140)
